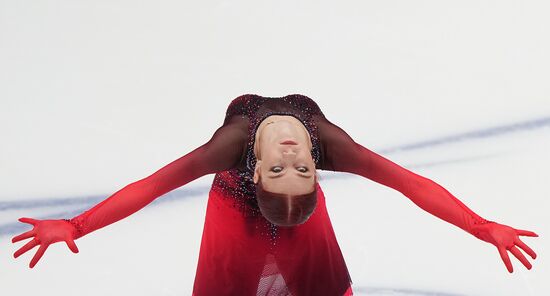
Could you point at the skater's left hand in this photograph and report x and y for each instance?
(505, 238)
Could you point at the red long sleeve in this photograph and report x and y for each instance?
(223, 151)
(342, 153)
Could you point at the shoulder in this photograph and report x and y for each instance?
(306, 103)
(304, 100)
(242, 100)
(240, 105)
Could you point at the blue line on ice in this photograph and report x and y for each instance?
(543, 122)
(379, 291)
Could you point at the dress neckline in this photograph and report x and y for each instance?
(257, 108)
(253, 128)
(257, 129)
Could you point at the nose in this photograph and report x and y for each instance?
(288, 151)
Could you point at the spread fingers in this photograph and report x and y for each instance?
(23, 236)
(31, 244)
(506, 259)
(520, 257)
(525, 248)
(38, 255)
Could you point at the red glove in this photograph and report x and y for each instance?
(505, 238)
(44, 233)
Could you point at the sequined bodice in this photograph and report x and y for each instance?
(239, 182)
(258, 108)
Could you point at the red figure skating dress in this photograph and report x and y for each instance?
(241, 252)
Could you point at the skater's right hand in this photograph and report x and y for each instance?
(44, 233)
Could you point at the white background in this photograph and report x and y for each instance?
(97, 94)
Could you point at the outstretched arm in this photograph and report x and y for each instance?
(344, 154)
(222, 152)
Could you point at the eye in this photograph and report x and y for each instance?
(276, 169)
(304, 169)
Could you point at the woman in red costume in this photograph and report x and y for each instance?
(267, 231)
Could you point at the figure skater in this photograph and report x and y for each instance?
(266, 230)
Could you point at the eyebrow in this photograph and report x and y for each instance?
(280, 175)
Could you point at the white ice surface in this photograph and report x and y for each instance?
(95, 95)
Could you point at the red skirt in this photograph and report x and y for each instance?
(247, 255)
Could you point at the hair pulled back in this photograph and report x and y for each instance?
(285, 209)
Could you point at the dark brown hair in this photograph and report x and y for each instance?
(285, 209)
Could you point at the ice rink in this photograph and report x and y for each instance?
(96, 95)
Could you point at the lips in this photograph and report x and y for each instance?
(289, 142)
